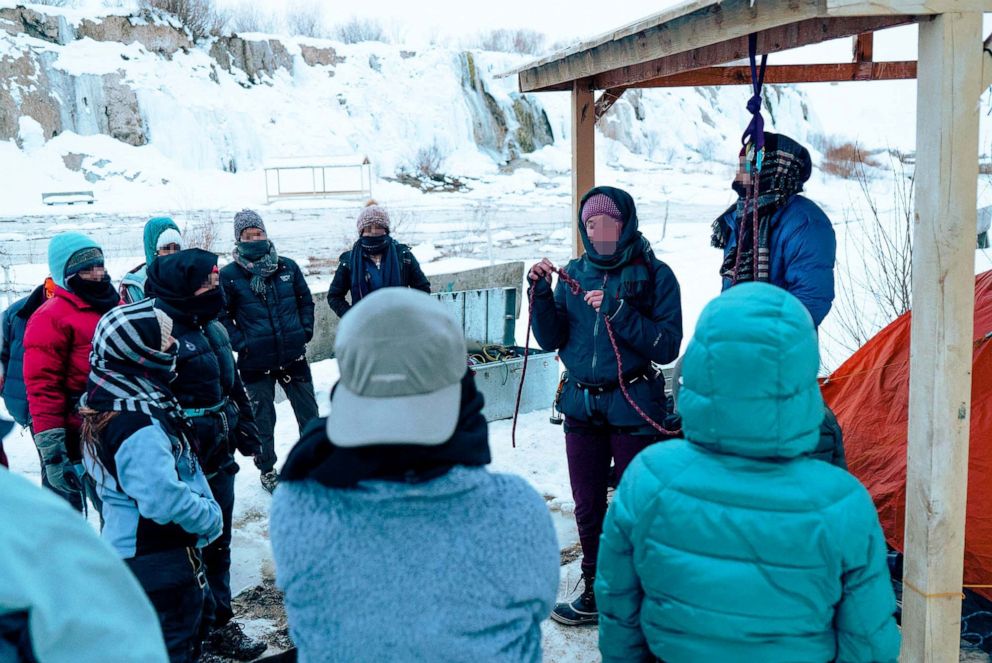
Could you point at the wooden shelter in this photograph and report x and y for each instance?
(696, 43)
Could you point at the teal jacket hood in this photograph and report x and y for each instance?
(153, 229)
(749, 383)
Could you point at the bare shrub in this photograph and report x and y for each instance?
(842, 158)
(358, 30)
(526, 42)
(428, 160)
(878, 267)
(202, 233)
(251, 17)
(200, 17)
(305, 18)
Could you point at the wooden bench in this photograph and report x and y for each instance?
(68, 197)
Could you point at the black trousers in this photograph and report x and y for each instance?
(262, 392)
(176, 586)
(217, 556)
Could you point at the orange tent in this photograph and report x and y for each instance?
(870, 395)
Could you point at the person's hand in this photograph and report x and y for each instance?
(541, 270)
(594, 298)
(59, 470)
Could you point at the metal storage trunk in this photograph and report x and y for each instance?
(489, 318)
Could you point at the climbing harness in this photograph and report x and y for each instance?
(577, 289)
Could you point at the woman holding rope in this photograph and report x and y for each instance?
(627, 312)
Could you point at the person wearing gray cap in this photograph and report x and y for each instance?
(391, 539)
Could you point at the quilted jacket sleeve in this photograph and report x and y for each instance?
(618, 587)
(47, 350)
(865, 619)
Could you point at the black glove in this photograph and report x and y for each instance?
(246, 438)
(265, 459)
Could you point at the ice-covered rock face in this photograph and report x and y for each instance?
(231, 103)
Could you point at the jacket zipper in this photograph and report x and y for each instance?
(595, 336)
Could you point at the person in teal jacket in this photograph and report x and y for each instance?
(735, 544)
(161, 238)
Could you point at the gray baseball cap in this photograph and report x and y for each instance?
(402, 358)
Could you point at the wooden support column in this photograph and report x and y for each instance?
(950, 66)
(583, 151)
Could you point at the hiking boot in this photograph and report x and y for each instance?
(270, 480)
(580, 612)
(230, 641)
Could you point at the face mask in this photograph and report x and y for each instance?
(207, 306)
(101, 295)
(375, 245)
(254, 250)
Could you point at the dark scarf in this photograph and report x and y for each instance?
(389, 268)
(173, 279)
(101, 295)
(632, 249)
(259, 259)
(316, 457)
(784, 170)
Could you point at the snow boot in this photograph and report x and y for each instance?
(230, 641)
(270, 480)
(580, 612)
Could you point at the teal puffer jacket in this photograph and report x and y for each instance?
(734, 544)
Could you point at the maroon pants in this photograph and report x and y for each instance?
(590, 449)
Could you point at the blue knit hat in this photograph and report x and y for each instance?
(71, 253)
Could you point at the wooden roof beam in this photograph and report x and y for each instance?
(699, 25)
(606, 101)
(812, 31)
(798, 73)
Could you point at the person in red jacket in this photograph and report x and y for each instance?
(57, 345)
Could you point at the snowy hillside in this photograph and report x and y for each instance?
(129, 107)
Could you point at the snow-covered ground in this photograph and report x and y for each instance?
(683, 242)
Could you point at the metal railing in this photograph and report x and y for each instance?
(318, 178)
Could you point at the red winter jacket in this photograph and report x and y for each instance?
(57, 345)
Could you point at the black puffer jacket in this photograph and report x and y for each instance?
(207, 379)
(271, 333)
(411, 276)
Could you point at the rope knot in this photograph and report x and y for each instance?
(754, 104)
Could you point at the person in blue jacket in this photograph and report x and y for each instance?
(185, 286)
(793, 246)
(157, 506)
(84, 606)
(736, 544)
(639, 295)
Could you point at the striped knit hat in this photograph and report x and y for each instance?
(373, 216)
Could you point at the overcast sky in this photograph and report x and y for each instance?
(559, 19)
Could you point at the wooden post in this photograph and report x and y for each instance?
(950, 66)
(583, 151)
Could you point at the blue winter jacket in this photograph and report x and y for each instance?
(15, 396)
(649, 330)
(803, 251)
(735, 544)
(460, 568)
(155, 496)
